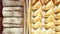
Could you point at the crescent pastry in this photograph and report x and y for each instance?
(39, 11)
(37, 18)
(57, 16)
(49, 25)
(36, 6)
(57, 22)
(49, 5)
(49, 12)
(57, 32)
(37, 25)
(57, 28)
(58, 8)
(49, 31)
(50, 19)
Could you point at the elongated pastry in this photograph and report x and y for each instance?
(34, 1)
(57, 22)
(13, 31)
(57, 28)
(37, 25)
(37, 12)
(49, 31)
(49, 12)
(38, 31)
(49, 5)
(12, 25)
(56, 1)
(50, 19)
(49, 25)
(12, 20)
(37, 18)
(12, 13)
(13, 2)
(37, 5)
(58, 8)
(57, 16)
(57, 32)
(12, 8)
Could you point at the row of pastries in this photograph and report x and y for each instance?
(48, 12)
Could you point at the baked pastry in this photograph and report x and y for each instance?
(50, 19)
(49, 5)
(37, 12)
(34, 1)
(58, 9)
(49, 31)
(37, 18)
(13, 3)
(57, 28)
(57, 16)
(56, 1)
(37, 25)
(12, 31)
(57, 22)
(12, 20)
(49, 25)
(36, 6)
(38, 31)
(57, 32)
(12, 25)
(49, 12)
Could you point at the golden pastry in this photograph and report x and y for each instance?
(36, 6)
(37, 18)
(57, 28)
(57, 1)
(49, 5)
(57, 22)
(39, 11)
(49, 12)
(34, 1)
(49, 25)
(46, 1)
(58, 8)
(57, 16)
(50, 19)
(37, 25)
(38, 31)
(57, 32)
(49, 31)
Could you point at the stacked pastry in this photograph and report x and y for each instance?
(36, 17)
(49, 17)
(13, 16)
(57, 17)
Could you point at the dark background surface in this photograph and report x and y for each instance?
(1, 17)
